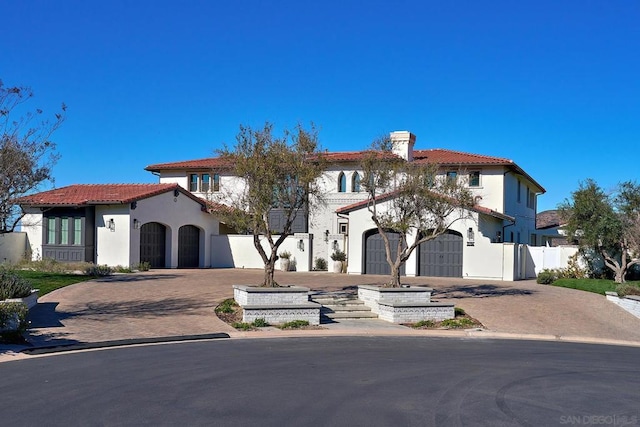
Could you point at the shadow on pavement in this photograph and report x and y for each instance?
(140, 308)
(479, 291)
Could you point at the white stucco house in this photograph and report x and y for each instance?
(157, 220)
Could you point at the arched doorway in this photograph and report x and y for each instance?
(152, 244)
(188, 246)
(442, 256)
(375, 256)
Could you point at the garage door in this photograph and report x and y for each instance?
(375, 255)
(152, 244)
(188, 247)
(442, 256)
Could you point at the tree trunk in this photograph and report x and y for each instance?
(620, 273)
(395, 276)
(269, 270)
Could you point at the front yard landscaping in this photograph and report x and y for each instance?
(599, 286)
(48, 282)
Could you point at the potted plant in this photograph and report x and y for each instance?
(285, 260)
(338, 257)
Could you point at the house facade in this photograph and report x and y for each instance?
(484, 246)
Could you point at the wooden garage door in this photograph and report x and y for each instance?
(152, 244)
(188, 247)
(375, 255)
(442, 256)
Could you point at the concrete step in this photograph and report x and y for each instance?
(350, 315)
(341, 301)
(346, 307)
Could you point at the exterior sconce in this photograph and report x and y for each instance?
(176, 192)
(111, 225)
(470, 237)
(498, 237)
(335, 246)
(136, 224)
(326, 236)
(134, 205)
(301, 245)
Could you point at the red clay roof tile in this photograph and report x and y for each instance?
(97, 194)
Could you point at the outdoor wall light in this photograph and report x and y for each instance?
(301, 245)
(335, 245)
(326, 236)
(176, 192)
(136, 224)
(470, 235)
(111, 225)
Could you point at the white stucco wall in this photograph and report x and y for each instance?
(238, 251)
(31, 224)
(525, 217)
(112, 247)
(172, 212)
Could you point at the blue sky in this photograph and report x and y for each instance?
(552, 85)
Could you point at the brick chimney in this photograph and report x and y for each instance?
(403, 142)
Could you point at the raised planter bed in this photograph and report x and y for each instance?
(372, 295)
(276, 305)
(29, 301)
(630, 303)
(415, 312)
(404, 305)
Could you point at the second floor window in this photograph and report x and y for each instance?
(204, 186)
(452, 175)
(474, 179)
(193, 182)
(216, 182)
(342, 183)
(355, 182)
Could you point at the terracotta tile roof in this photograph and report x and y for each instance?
(549, 219)
(100, 194)
(199, 164)
(436, 155)
(450, 157)
(383, 197)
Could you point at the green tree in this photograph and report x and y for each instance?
(413, 199)
(607, 224)
(281, 174)
(27, 153)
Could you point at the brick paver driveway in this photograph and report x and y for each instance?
(181, 302)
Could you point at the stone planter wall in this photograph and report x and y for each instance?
(372, 295)
(415, 312)
(29, 301)
(276, 305)
(630, 303)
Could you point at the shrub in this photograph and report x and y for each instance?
(457, 323)
(459, 311)
(12, 285)
(573, 270)
(547, 277)
(48, 265)
(339, 256)
(98, 270)
(143, 266)
(321, 264)
(294, 324)
(13, 317)
(624, 289)
(285, 254)
(122, 269)
(260, 323)
(227, 306)
(242, 326)
(424, 324)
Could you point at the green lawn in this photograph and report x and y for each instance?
(598, 286)
(48, 282)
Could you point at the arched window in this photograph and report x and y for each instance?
(355, 183)
(342, 183)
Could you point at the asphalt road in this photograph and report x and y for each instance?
(333, 381)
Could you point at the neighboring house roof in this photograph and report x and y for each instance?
(387, 196)
(101, 194)
(437, 155)
(549, 219)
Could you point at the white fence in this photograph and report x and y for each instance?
(540, 257)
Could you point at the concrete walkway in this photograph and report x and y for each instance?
(164, 303)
